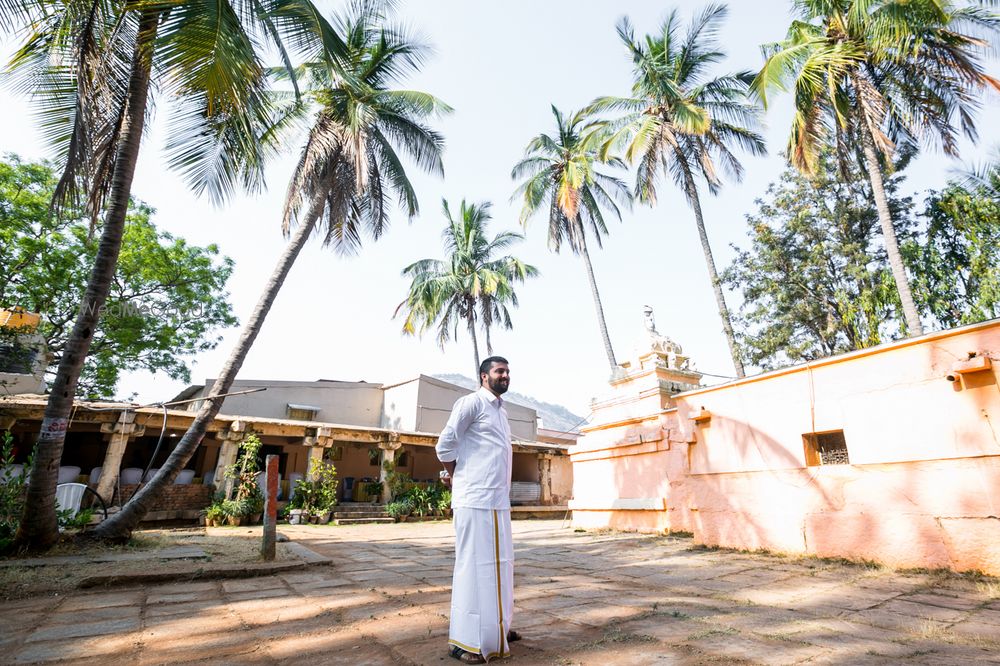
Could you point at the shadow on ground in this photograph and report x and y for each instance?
(580, 598)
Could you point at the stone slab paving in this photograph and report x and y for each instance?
(580, 598)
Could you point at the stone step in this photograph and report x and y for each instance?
(362, 521)
(361, 514)
(360, 506)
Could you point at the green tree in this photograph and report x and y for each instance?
(471, 286)
(347, 171)
(958, 261)
(168, 297)
(682, 122)
(91, 67)
(561, 174)
(815, 280)
(879, 74)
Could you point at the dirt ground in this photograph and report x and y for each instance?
(70, 563)
(580, 598)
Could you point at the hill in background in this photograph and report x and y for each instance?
(555, 417)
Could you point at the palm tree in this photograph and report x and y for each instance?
(90, 66)
(471, 286)
(879, 73)
(985, 176)
(685, 122)
(561, 174)
(347, 170)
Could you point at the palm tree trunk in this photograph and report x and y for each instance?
(39, 528)
(602, 324)
(910, 314)
(475, 348)
(119, 526)
(691, 189)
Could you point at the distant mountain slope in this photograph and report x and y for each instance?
(555, 417)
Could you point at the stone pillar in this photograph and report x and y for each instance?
(267, 546)
(315, 453)
(388, 448)
(121, 432)
(231, 440)
(545, 478)
(318, 440)
(227, 457)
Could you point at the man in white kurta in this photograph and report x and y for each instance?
(475, 448)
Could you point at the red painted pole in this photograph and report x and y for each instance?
(270, 508)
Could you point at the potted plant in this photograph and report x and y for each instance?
(400, 509)
(374, 491)
(316, 495)
(324, 475)
(421, 498)
(444, 503)
(214, 514)
(248, 498)
(297, 513)
(254, 507)
(234, 511)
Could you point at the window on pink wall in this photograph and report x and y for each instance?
(826, 448)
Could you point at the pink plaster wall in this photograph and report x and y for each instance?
(922, 489)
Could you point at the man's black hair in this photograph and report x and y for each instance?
(487, 364)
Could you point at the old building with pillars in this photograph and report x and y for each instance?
(357, 425)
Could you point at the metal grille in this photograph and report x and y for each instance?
(832, 448)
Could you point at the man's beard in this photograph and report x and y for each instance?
(498, 386)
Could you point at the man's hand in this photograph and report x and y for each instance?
(449, 471)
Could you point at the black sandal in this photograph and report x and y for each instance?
(465, 656)
(513, 636)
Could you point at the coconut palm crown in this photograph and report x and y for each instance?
(472, 286)
(683, 122)
(876, 74)
(563, 173)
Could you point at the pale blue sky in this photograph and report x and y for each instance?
(500, 65)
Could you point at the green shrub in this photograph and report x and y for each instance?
(373, 489)
(67, 519)
(12, 491)
(234, 508)
(400, 508)
(244, 471)
(316, 494)
(398, 482)
(444, 502)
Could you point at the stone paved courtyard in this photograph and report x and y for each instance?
(581, 598)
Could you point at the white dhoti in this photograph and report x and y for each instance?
(482, 593)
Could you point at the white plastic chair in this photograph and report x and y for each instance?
(292, 478)
(69, 496)
(68, 474)
(262, 484)
(95, 475)
(130, 476)
(184, 477)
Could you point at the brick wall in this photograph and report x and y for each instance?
(176, 497)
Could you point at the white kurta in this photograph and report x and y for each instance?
(482, 593)
(477, 439)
